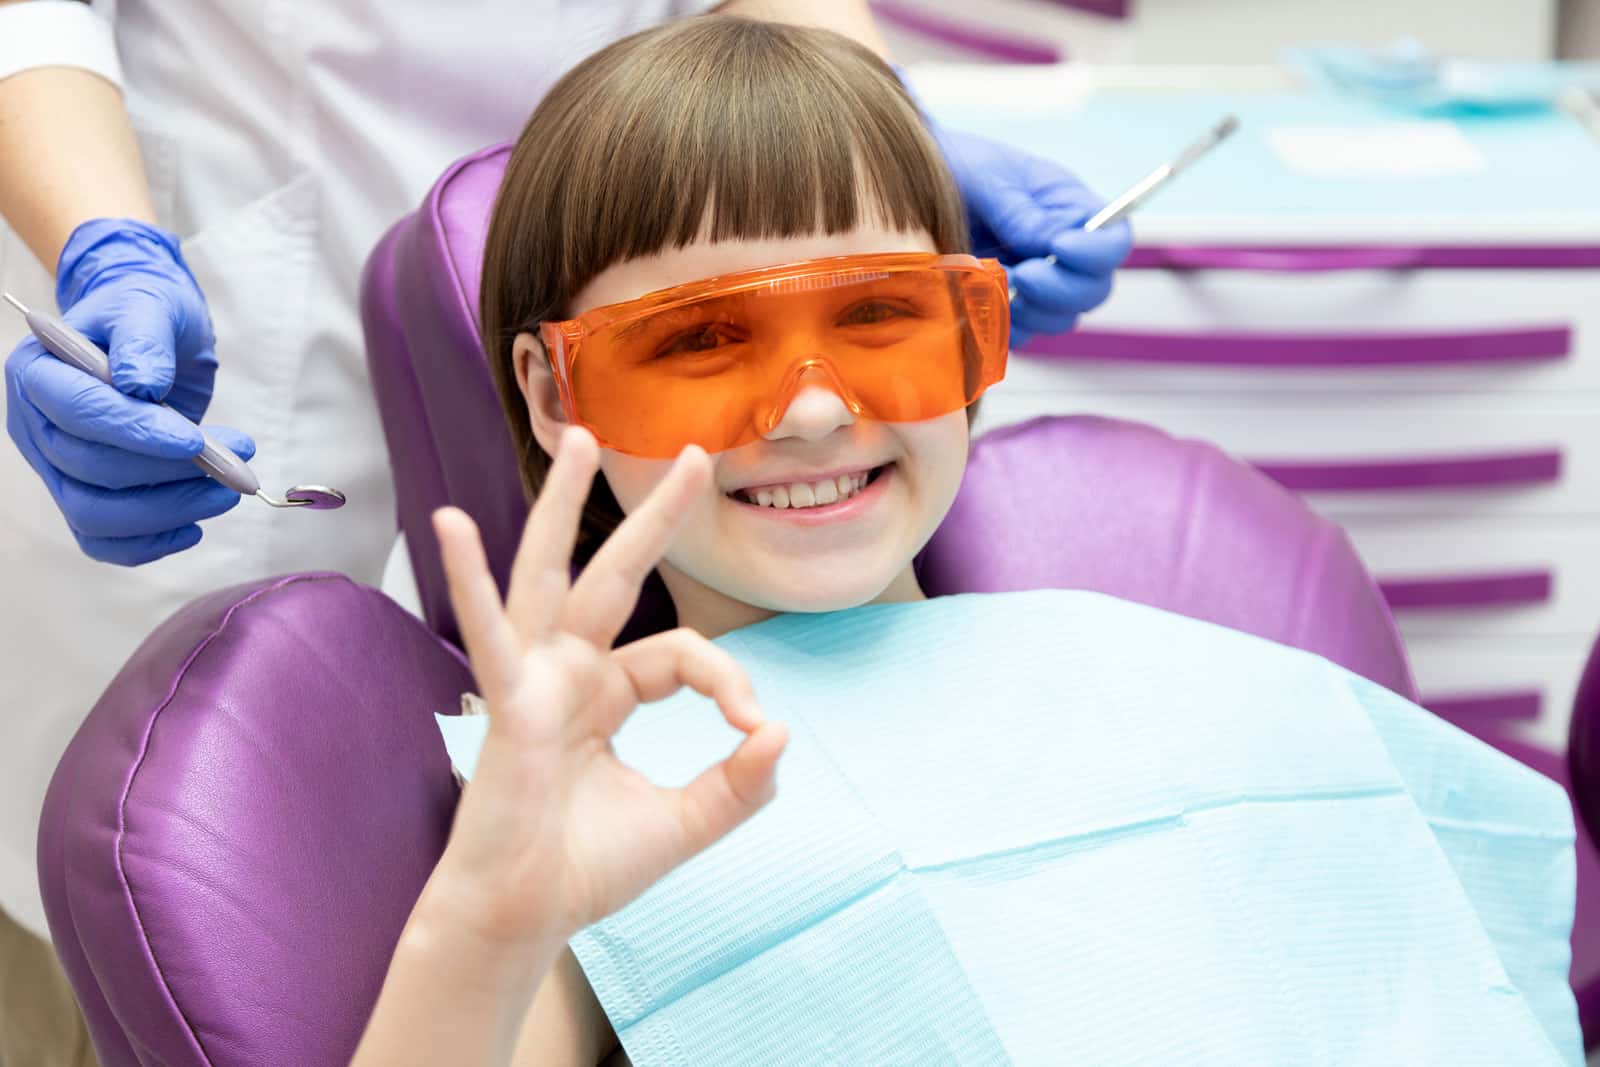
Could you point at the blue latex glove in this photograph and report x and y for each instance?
(120, 467)
(1022, 208)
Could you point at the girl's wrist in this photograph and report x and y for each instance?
(455, 905)
(452, 994)
(495, 970)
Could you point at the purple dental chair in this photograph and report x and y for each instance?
(1581, 774)
(236, 835)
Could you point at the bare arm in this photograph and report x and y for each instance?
(451, 997)
(554, 832)
(565, 1027)
(850, 17)
(67, 154)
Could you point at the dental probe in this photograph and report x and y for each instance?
(73, 348)
(1142, 189)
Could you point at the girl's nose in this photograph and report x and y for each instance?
(813, 413)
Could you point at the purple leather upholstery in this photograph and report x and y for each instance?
(1080, 502)
(1583, 742)
(447, 439)
(233, 839)
(1583, 781)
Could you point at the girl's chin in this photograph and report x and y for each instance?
(827, 594)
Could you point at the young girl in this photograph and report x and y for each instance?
(731, 253)
(706, 148)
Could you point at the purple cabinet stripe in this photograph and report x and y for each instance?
(1229, 348)
(1484, 590)
(1361, 257)
(1518, 704)
(1116, 9)
(1008, 48)
(1501, 469)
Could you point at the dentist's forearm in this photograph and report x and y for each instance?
(449, 996)
(853, 18)
(67, 154)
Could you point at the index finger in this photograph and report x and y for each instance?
(604, 595)
(539, 572)
(88, 408)
(1096, 252)
(489, 640)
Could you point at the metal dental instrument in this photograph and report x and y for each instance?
(72, 347)
(1136, 195)
(1583, 106)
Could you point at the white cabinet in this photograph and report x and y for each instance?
(1430, 379)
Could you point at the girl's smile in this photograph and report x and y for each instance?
(832, 496)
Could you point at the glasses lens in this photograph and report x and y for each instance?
(902, 341)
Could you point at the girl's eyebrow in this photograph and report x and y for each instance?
(631, 330)
(639, 325)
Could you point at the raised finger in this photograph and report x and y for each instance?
(490, 642)
(661, 664)
(604, 595)
(533, 599)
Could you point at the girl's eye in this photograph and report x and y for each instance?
(871, 312)
(697, 341)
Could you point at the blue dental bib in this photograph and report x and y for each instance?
(1054, 827)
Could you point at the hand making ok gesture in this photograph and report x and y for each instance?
(554, 832)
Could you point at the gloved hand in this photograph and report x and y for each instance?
(1022, 208)
(119, 466)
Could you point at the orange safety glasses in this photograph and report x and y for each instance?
(900, 337)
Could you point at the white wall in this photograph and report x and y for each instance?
(1245, 31)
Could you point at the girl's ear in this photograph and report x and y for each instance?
(538, 386)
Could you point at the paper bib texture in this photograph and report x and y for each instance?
(1054, 827)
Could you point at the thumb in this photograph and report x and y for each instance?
(142, 341)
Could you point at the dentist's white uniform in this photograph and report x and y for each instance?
(281, 137)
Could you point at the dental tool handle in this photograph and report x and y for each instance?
(1129, 200)
(72, 347)
(1132, 198)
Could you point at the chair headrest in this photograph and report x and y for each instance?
(233, 841)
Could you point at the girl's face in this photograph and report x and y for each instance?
(738, 558)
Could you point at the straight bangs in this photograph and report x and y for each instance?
(738, 129)
(714, 128)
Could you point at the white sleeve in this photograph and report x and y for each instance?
(682, 8)
(58, 33)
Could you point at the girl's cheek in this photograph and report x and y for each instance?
(631, 477)
(939, 445)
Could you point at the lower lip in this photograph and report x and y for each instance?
(841, 511)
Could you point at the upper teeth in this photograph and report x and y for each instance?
(806, 494)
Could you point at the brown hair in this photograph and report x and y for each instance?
(717, 127)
